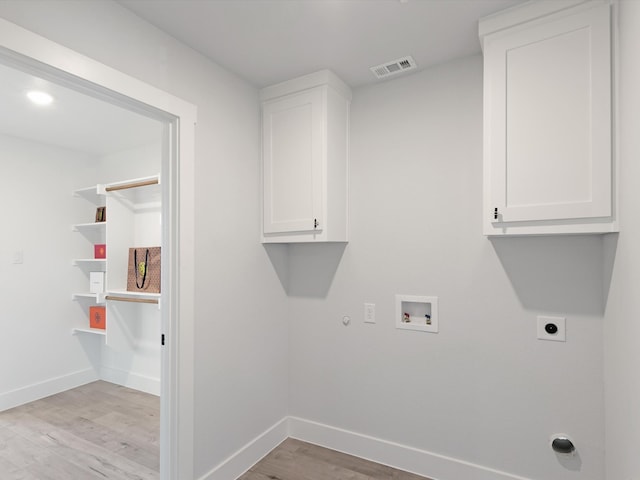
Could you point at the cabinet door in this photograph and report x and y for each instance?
(293, 155)
(548, 97)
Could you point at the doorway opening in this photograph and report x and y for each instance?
(105, 131)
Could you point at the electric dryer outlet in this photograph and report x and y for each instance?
(552, 328)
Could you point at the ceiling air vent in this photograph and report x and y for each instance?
(394, 67)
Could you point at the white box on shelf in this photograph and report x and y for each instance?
(96, 282)
(415, 312)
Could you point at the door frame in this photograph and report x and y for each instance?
(35, 54)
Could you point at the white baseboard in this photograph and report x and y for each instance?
(36, 391)
(131, 380)
(420, 462)
(250, 454)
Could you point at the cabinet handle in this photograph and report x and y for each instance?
(495, 213)
(315, 223)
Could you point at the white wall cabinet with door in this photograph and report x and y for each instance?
(305, 159)
(548, 165)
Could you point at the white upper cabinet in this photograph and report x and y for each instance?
(305, 159)
(547, 120)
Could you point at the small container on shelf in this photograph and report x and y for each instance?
(96, 282)
(100, 251)
(101, 214)
(97, 317)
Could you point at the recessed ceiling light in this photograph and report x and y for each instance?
(40, 98)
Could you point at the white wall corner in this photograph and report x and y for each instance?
(36, 391)
(409, 459)
(247, 456)
(132, 380)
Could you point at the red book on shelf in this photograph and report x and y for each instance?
(100, 251)
(97, 317)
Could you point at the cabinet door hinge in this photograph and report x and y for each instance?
(162, 339)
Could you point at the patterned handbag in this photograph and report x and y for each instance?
(143, 273)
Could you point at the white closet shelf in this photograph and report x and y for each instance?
(89, 262)
(93, 194)
(93, 331)
(139, 194)
(128, 293)
(89, 226)
(96, 297)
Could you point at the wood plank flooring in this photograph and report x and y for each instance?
(99, 430)
(106, 431)
(296, 460)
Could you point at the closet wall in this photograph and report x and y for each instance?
(38, 353)
(137, 365)
(134, 359)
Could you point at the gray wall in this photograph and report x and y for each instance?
(622, 325)
(240, 327)
(484, 389)
(36, 311)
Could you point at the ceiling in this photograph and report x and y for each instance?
(269, 41)
(263, 41)
(74, 121)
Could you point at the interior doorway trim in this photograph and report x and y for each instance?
(36, 54)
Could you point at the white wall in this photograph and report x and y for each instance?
(138, 365)
(622, 327)
(38, 314)
(241, 335)
(138, 162)
(484, 390)
(38, 354)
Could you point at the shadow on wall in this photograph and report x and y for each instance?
(306, 269)
(567, 273)
(571, 462)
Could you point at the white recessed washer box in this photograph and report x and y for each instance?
(415, 312)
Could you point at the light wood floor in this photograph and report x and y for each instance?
(296, 460)
(99, 430)
(106, 431)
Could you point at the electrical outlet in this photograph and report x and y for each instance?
(552, 328)
(369, 313)
(18, 257)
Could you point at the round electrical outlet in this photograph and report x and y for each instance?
(551, 328)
